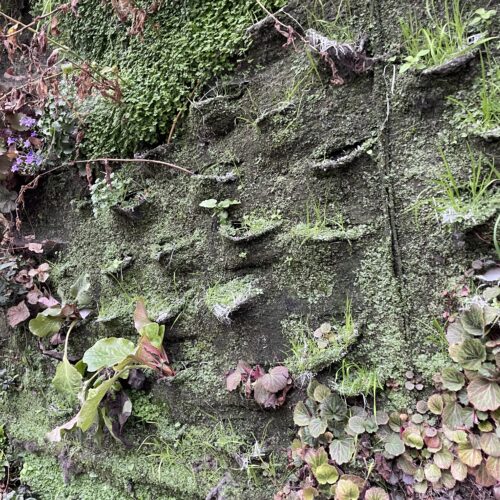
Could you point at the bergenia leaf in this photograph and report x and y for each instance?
(333, 408)
(342, 450)
(317, 426)
(301, 415)
(276, 379)
(326, 474)
(106, 353)
(484, 394)
(347, 490)
(376, 494)
(470, 354)
(45, 324)
(453, 380)
(17, 314)
(473, 320)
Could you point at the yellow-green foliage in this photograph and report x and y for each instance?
(184, 43)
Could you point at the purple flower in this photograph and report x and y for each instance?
(27, 144)
(28, 122)
(16, 165)
(33, 134)
(11, 140)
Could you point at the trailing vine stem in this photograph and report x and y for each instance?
(137, 160)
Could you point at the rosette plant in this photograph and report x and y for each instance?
(107, 364)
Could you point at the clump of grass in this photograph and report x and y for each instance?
(469, 202)
(480, 111)
(322, 227)
(337, 28)
(444, 38)
(311, 353)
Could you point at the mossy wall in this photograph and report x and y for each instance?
(282, 120)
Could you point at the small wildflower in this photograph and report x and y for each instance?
(27, 144)
(11, 140)
(33, 134)
(26, 121)
(449, 216)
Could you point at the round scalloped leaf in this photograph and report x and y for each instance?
(342, 450)
(449, 482)
(455, 333)
(432, 473)
(472, 321)
(317, 426)
(276, 380)
(420, 487)
(493, 467)
(490, 444)
(412, 438)
(395, 421)
(422, 407)
(406, 465)
(311, 387)
(346, 490)
(382, 418)
(484, 394)
(483, 476)
(452, 379)
(485, 426)
(376, 494)
(471, 354)
(301, 415)
(315, 458)
(106, 353)
(45, 324)
(394, 445)
(356, 424)
(470, 456)
(458, 436)
(458, 470)
(443, 458)
(453, 415)
(435, 404)
(309, 493)
(333, 408)
(326, 474)
(321, 393)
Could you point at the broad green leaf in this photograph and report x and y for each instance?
(88, 412)
(333, 408)
(394, 445)
(435, 404)
(484, 394)
(311, 387)
(321, 393)
(80, 292)
(317, 426)
(317, 457)
(106, 353)
(432, 473)
(309, 493)
(326, 474)
(453, 415)
(470, 354)
(342, 450)
(44, 325)
(346, 490)
(67, 379)
(376, 494)
(301, 415)
(154, 332)
(421, 487)
(449, 482)
(453, 380)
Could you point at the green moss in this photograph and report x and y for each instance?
(223, 299)
(157, 69)
(306, 232)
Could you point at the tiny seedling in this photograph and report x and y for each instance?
(219, 208)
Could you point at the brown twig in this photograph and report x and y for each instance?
(179, 114)
(39, 18)
(30, 82)
(138, 160)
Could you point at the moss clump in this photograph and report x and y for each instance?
(307, 354)
(252, 227)
(224, 299)
(180, 45)
(307, 232)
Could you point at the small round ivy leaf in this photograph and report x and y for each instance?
(449, 482)
(412, 438)
(452, 379)
(422, 407)
(394, 445)
(356, 425)
(106, 353)
(420, 487)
